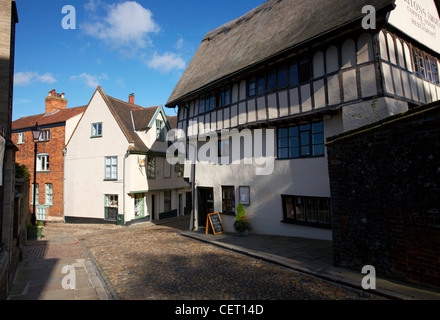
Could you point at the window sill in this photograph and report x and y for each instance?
(107, 179)
(94, 137)
(232, 214)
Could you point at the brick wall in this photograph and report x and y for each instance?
(55, 175)
(385, 187)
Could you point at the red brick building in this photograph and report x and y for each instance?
(56, 124)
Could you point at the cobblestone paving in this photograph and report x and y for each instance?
(157, 263)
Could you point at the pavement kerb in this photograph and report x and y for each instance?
(98, 279)
(385, 288)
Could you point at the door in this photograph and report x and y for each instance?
(138, 206)
(152, 207)
(205, 205)
(180, 213)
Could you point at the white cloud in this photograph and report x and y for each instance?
(28, 77)
(179, 44)
(166, 62)
(126, 25)
(91, 81)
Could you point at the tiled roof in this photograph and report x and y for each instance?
(47, 119)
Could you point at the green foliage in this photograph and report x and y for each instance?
(241, 220)
(21, 171)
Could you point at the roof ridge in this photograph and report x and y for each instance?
(127, 103)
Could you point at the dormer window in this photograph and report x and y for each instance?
(160, 130)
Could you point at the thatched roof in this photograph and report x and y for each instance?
(265, 32)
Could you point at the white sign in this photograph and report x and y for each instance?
(419, 19)
(2, 156)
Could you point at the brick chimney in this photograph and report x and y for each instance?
(55, 101)
(131, 98)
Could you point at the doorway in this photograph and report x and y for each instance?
(138, 206)
(152, 207)
(205, 204)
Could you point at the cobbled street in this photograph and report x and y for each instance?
(155, 262)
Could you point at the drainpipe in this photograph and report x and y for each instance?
(64, 184)
(123, 184)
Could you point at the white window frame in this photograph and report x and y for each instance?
(43, 163)
(20, 138)
(36, 194)
(49, 194)
(111, 168)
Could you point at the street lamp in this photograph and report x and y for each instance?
(36, 132)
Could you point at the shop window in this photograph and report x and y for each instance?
(228, 199)
(311, 211)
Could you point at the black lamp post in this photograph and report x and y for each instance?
(36, 135)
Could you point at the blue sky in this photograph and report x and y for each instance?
(139, 47)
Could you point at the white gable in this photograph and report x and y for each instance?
(419, 19)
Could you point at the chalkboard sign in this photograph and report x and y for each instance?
(214, 223)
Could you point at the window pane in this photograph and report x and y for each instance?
(305, 138)
(434, 71)
(293, 75)
(283, 142)
(318, 150)
(272, 81)
(294, 152)
(318, 138)
(283, 132)
(300, 209)
(261, 86)
(294, 142)
(251, 87)
(312, 212)
(324, 211)
(304, 71)
(293, 132)
(282, 77)
(428, 69)
(305, 151)
(283, 153)
(290, 211)
(317, 127)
